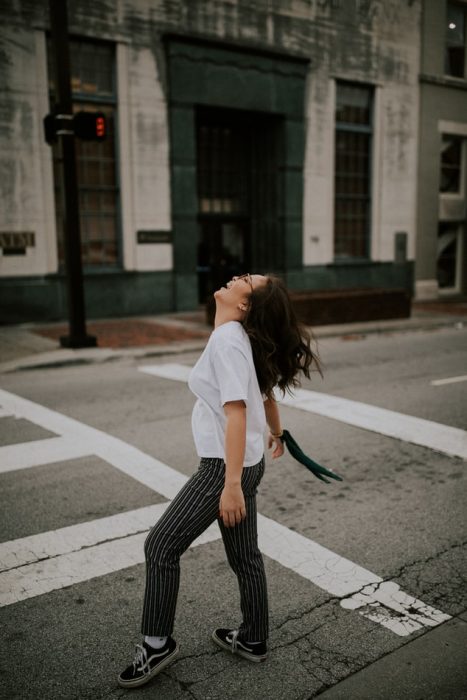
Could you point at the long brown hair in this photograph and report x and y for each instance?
(280, 344)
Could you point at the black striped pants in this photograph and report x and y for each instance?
(194, 508)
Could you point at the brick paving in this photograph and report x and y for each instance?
(126, 333)
(21, 344)
(134, 332)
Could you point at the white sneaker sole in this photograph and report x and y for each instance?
(146, 678)
(239, 652)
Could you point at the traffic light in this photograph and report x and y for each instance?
(90, 126)
(50, 129)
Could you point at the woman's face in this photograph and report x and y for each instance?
(237, 291)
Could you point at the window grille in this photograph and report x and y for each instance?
(222, 170)
(93, 89)
(352, 182)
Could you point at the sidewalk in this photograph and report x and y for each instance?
(430, 667)
(29, 346)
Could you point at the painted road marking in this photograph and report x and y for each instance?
(449, 380)
(179, 373)
(42, 577)
(427, 433)
(42, 563)
(45, 545)
(140, 466)
(380, 601)
(38, 452)
(359, 588)
(394, 603)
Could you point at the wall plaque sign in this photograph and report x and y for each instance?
(154, 236)
(16, 242)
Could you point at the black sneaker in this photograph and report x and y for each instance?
(148, 663)
(228, 639)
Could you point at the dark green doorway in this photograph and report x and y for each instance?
(239, 192)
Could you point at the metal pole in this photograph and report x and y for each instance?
(71, 228)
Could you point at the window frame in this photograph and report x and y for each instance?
(368, 129)
(463, 7)
(80, 100)
(458, 226)
(460, 193)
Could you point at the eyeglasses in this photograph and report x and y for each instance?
(246, 277)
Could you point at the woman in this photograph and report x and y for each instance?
(256, 345)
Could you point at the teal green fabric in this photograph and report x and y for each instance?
(315, 468)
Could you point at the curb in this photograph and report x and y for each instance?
(380, 327)
(67, 358)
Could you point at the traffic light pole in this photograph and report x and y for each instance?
(77, 337)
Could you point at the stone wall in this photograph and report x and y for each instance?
(373, 41)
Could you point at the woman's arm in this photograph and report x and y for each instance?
(274, 421)
(232, 503)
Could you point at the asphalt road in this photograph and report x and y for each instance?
(398, 518)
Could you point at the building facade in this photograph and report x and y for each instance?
(441, 261)
(278, 135)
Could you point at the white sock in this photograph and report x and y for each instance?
(155, 642)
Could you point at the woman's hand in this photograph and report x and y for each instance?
(274, 422)
(232, 505)
(278, 446)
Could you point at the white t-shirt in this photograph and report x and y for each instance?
(226, 372)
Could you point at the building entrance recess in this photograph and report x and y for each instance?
(237, 142)
(239, 195)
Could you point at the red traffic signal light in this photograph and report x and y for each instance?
(100, 126)
(90, 126)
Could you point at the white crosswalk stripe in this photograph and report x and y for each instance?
(427, 433)
(45, 545)
(449, 380)
(442, 438)
(37, 452)
(43, 563)
(64, 557)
